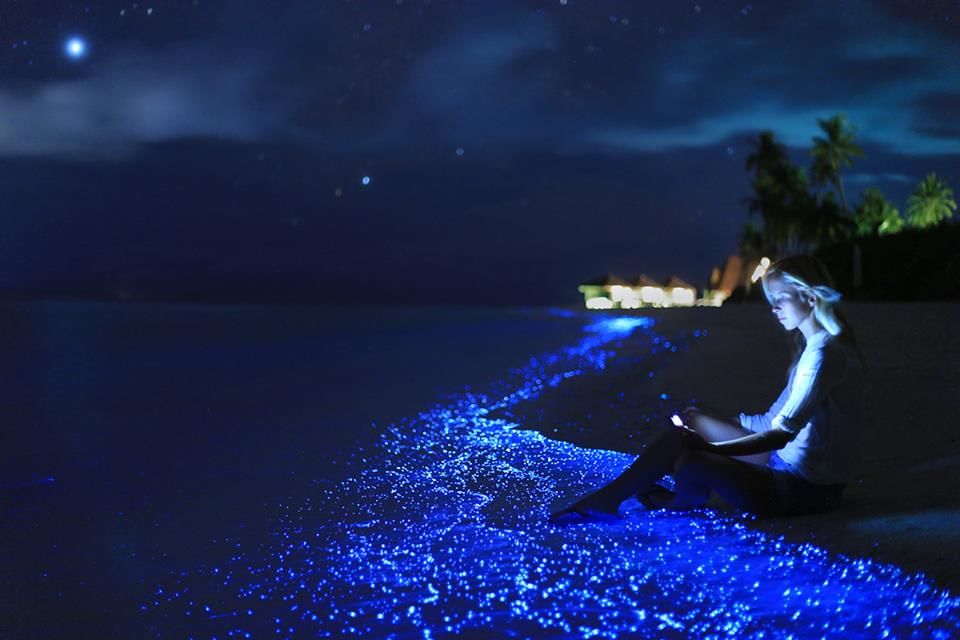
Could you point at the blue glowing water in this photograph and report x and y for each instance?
(439, 532)
(136, 437)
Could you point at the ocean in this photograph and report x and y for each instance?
(133, 434)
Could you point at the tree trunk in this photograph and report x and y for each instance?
(843, 195)
(857, 267)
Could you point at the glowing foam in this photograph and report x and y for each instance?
(441, 533)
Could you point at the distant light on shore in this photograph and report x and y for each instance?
(600, 303)
(684, 297)
(760, 270)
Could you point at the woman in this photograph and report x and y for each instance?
(795, 458)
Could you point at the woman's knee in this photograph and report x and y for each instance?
(692, 464)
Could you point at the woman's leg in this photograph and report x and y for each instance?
(747, 486)
(658, 459)
(653, 463)
(660, 456)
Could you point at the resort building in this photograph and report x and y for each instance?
(599, 292)
(737, 277)
(736, 274)
(680, 293)
(612, 292)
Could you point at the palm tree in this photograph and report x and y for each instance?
(892, 224)
(824, 222)
(930, 203)
(779, 189)
(751, 242)
(834, 152)
(768, 154)
(876, 215)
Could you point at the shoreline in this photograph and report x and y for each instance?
(903, 510)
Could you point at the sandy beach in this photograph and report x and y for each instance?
(904, 510)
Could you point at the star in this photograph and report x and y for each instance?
(76, 48)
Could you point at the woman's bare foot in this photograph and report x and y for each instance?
(656, 498)
(593, 508)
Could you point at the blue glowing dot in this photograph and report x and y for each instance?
(664, 396)
(459, 151)
(76, 48)
(365, 180)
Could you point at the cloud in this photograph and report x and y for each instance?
(135, 99)
(483, 81)
(778, 81)
(876, 178)
(885, 127)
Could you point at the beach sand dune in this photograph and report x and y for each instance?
(904, 509)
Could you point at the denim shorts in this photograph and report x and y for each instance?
(796, 495)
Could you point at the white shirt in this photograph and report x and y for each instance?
(823, 405)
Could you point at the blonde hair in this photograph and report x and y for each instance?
(811, 276)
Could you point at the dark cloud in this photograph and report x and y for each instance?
(942, 132)
(941, 107)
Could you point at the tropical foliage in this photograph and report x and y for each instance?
(876, 215)
(794, 219)
(751, 241)
(799, 215)
(780, 194)
(832, 152)
(930, 203)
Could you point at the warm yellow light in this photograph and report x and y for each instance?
(651, 295)
(683, 296)
(625, 296)
(714, 298)
(599, 303)
(760, 270)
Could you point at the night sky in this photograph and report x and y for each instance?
(417, 151)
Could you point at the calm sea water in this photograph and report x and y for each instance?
(135, 434)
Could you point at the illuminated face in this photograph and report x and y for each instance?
(791, 305)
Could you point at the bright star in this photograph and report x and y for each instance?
(365, 181)
(76, 48)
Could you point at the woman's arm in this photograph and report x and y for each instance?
(764, 421)
(818, 372)
(771, 440)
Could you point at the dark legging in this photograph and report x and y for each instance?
(747, 486)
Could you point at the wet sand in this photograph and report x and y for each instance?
(905, 507)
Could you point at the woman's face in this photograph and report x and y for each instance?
(788, 303)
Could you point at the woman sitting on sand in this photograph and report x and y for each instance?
(795, 458)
